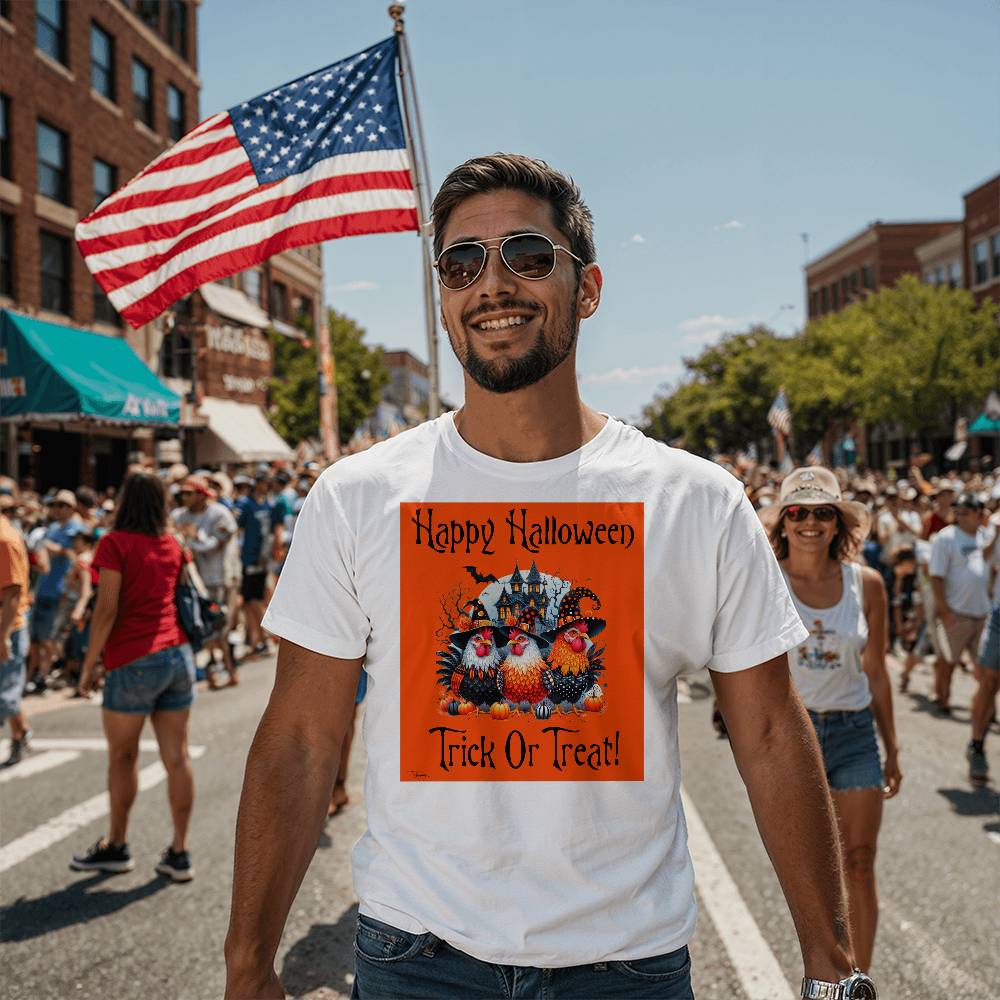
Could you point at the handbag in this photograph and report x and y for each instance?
(198, 614)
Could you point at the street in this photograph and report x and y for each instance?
(136, 935)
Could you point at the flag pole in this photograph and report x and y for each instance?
(421, 177)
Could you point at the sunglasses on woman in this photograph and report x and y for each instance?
(799, 512)
(528, 255)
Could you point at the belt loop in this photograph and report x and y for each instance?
(600, 966)
(430, 949)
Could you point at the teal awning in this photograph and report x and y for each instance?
(985, 424)
(53, 372)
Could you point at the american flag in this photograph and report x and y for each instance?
(318, 158)
(780, 416)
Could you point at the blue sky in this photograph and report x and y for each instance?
(706, 137)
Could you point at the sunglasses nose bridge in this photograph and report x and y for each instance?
(496, 274)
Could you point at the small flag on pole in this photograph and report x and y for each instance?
(321, 157)
(779, 417)
(815, 457)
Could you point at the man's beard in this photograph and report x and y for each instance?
(509, 374)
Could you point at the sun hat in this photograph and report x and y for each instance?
(815, 486)
(67, 497)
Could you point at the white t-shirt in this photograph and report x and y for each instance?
(894, 537)
(523, 840)
(957, 557)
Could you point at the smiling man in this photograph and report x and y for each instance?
(519, 870)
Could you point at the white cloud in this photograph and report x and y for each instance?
(637, 238)
(354, 286)
(703, 329)
(630, 375)
(731, 224)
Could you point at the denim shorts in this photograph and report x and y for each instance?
(850, 750)
(44, 614)
(12, 674)
(391, 964)
(160, 682)
(989, 648)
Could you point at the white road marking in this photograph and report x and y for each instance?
(69, 821)
(83, 743)
(33, 765)
(994, 836)
(751, 958)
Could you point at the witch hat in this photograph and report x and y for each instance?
(480, 620)
(526, 623)
(569, 612)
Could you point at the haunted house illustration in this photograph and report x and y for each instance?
(521, 593)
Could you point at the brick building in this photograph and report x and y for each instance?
(90, 92)
(981, 240)
(872, 259)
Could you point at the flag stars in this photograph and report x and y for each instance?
(314, 90)
(337, 128)
(261, 152)
(300, 104)
(377, 109)
(263, 130)
(326, 77)
(382, 129)
(360, 128)
(370, 91)
(245, 123)
(303, 123)
(258, 111)
(324, 143)
(279, 134)
(348, 139)
(290, 117)
(255, 139)
(314, 108)
(331, 93)
(362, 106)
(372, 137)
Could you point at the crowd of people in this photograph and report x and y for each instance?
(235, 533)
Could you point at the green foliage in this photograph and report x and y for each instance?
(359, 373)
(913, 355)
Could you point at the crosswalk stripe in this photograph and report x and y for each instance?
(34, 765)
(70, 820)
(752, 959)
(82, 743)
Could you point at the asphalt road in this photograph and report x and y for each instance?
(67, 934)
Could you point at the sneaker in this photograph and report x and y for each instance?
(104, 857)
(979, 770)
(18, 748)
(176, 865)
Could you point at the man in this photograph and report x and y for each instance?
(984, 702)
(939, 516)
(57, 545)
(14, 600)
(207, 528)
(262, 535)
(899, 526)
(489, 828)
(960, 579)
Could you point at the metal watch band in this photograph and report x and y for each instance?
(816, 989)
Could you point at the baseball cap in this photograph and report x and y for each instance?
(968, 501)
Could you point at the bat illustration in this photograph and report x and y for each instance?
(479, 578)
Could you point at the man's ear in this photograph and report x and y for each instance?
(588, 296)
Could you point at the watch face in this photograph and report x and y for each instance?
(862, 988)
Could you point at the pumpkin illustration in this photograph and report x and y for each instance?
(593, 700)
(445, 704)
(466, 708)
(500, 710)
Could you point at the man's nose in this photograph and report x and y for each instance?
(497, 279)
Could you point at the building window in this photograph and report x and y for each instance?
(53, 170)
(852, 284)
(835, 296)
(54, 255)
(149, 13)
(304, 311)
(50, 28)
(824, 299)
(279, 300)
(142, 91)
(175, 355)
(102, 62)
(930, 278)
(6, 254)
(955, 274)
(104, 311)
(995, 246)
(868, 277)
(251, 285)
(5, 143)
(813, 303)
(105, 180)
(5, 9)
(177, 27)
(980, 262)
(175, 112)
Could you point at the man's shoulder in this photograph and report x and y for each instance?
(392, 458)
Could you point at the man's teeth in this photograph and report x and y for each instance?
(502, 324)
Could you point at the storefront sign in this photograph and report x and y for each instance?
(240, 342)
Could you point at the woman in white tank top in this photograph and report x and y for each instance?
(840, 671)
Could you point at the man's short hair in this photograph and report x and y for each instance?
(514, 172)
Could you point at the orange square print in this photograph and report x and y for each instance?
(521, 642)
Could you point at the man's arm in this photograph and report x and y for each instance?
(779, 760)
(10, 599)
(941, 608)
(286, 790)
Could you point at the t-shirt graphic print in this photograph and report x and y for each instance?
(521, 641)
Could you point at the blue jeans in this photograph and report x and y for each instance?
(160, 682)
(850, 750)
(392, 964)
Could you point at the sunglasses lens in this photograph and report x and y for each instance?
(460, 265)
(824, 513)
(531, 256)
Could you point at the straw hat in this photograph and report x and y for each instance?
(817, 487)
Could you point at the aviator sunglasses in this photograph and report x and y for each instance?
(528, 255)
(799, 512)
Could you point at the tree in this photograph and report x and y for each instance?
(360, 376)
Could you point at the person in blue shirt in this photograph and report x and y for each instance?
(262, 531)
(58, 545)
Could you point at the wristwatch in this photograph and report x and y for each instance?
(856, 986)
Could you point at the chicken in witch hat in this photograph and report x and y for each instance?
(574, 661)
(469, 667)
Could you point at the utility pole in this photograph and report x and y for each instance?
(417, 148)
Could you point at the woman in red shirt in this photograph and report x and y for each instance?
(149, 670)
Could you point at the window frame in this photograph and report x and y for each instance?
(64, 194)
(6, 146)
(113, 169)
(109, 70)
(66, 279)
(7, 224)
(171, 121)
(983, 244)
(994, 253)
(103, 310)
(58, 30)
(138, 102)
(176, 29)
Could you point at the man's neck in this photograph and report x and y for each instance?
(543, 421)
